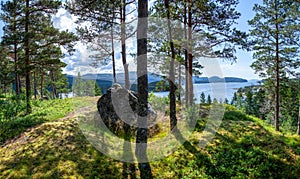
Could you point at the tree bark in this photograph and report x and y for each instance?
(179, 83)
(186, 57)
(42, 83)
(18, 92)
(34, 85)
(123, 41)
(113, 53)
(142, 131)
(276, 114)
(52, 84)
(298, 130)
(16, 69)
(27, 60)
(16, 72)
(190, 55)
(173, 119)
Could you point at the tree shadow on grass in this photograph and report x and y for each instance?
(248, 150)
(242, 149)
(202, 159)
(56, 150)
(123, 133)
(129, 169)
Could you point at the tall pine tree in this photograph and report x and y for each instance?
(274, 45)
(142, 72)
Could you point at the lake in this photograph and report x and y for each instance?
(220, 91)
(215, 90)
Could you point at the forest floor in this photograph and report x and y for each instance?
(243, 147)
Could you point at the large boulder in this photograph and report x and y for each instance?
(118, 110)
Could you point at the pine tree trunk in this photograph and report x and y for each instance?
(173, 119)
(186, 57)
(52, 84)
(113, 53)
(142, 131)
(123, 41)
(20, 84)
(179, 83)
(42, 84)
(276, 115)
(190, 55)
(298, 130)
(16, 58)
(27, 59)
(34, 85)
(16, 73)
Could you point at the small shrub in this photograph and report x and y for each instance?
(191, 115)
(232, 113)
(158, 103)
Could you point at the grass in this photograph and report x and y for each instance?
(243, 147)
(240, 149)
(43, 111)
(55, 150)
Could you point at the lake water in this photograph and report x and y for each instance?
(220, 91)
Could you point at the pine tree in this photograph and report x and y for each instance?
(209, 99)
(207, 32)
(226, 101)
(274, 45)
(142, 72)
(105, 17)
(202, 98)
(89, 88)
(215, 101)
(78, 86)
(260, 101)
(97, 90)
(173, 118)
(61, 84)
(6, 69)
(250, 103)
(28, 30)
(11, 32)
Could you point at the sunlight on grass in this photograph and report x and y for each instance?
(246, 148)
(43, 111)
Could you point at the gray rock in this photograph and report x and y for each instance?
(118, 110)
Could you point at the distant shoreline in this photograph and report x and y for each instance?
(215, 79)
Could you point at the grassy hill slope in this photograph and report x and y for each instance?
(244, 147)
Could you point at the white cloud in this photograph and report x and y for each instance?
(63, 20)
(79, 61)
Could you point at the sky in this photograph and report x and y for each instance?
(244, 59)
(79, 61)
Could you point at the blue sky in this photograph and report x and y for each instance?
(244, 59)
(79, 61)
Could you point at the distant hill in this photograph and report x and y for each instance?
(105, 80)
